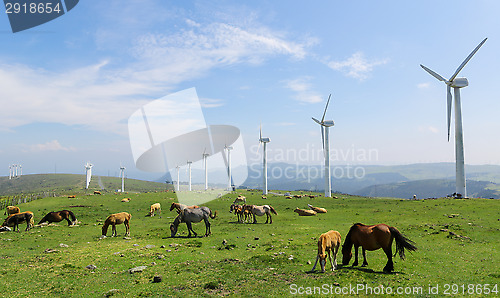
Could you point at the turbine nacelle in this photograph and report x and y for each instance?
(459, 83)
(265, 140)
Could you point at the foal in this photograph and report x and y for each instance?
(328, 242)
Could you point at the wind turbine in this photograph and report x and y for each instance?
(178, 176)
(325, 126)
(122, 173)
(88, 173)
(456, 84)
(229, 184)
(205, 155)
(10, 171)
(189, 169)
(264, 160)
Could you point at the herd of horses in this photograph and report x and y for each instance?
(368, 237)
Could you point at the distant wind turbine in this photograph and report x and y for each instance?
(229, 184)
(189, 169)
(456, 84)
(88, 174)
(325, 126)
(205, 155)
(264, 160)
(122, 173)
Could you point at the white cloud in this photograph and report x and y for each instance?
(53, 145)
(211, 102)
(356, 66)
(302, 87)
(423, 85)
(102, 95)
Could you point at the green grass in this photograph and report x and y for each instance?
(256, 259)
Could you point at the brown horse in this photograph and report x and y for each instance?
(181, 207)
(260, 211)
(15, 219)
(59, 216)
(373, 238)
(116, 219)
(328, 242)
(11, 210)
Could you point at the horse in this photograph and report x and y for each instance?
(155, 207)
(317, 209)
(15, 219)
(238, 210)
(303, 212)
(116, 219)
(260, 211)
(372, 238)
(12, 210)
(328, 242)
(59, 216)
(181, 207)
(193, 215)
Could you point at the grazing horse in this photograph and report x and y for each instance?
(328, 242)
(193, 215)
(156, 207)
(116, 219)
(373, 238)
(59, 216)
(15, 219)
(11, 210)
(238, 210)
(181, 207)
(260, 211)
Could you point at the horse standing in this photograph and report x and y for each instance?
(15, 219)
(260, 211)
(193, 215)
(328, 242)
(59, 216)
(372, 238)
(12, 210)
(116, 219)
(156, 207)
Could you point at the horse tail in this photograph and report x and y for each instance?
(32, 220)
(272, 210)
(213, 215)
(73, 217)
(401, 243)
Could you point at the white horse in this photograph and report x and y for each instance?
(193, 215)
(260, 211)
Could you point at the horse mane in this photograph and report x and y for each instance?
(348, 240)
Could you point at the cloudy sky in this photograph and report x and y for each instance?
(68, 87)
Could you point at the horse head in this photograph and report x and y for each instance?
(346, 254)
(322, 261)
(173, 230)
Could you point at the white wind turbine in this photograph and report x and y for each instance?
(122, 173)
(189, 169)
(205, 155)
(178, 176)
(229, 184)
(264, 160)
(88, 173)
(456, 84)
(325, 126)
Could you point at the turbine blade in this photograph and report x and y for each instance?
(316, 120)
(323, 138)
(324, 113)
(260, 132)
(467, 60)
(449, 97)
(437, 76)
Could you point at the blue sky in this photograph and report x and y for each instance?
(68, 87)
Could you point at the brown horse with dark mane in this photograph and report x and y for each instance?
(373, 238)
(15, 219)
(59, 216)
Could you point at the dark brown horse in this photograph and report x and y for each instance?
(59, 216)
(373, 238)
(15, 219)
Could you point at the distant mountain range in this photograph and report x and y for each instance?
(402, 181)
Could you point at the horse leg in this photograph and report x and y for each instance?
(127, 228)
(113, 230)
(69, 221)
(390, 265)
(335, 251)
(190, 228)
(355, 256)
(330, 258)
(254, 218)
(267, 217)
(207, 228)
(365, 263)
(315, 263)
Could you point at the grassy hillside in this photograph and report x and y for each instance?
(246, 259)
(71, 183)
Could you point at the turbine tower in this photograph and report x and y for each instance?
(178, 170)
(189, 167)
(122, 173)
(325, 126)
(456, 84)
(264, 160)
(10, 171)
(88, 173)
(205, 155)
(229, 184)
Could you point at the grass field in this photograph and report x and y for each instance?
(258, 260)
